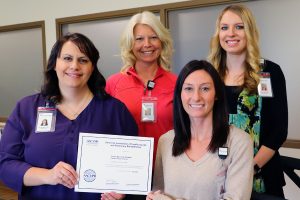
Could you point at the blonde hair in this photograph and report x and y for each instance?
(127, 40)
(217, 55)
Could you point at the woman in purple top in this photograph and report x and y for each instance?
(39, 161)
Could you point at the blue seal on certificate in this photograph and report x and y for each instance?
(89, 175)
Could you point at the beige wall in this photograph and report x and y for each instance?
(15, 12)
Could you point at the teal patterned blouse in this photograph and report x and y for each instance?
(248, 118)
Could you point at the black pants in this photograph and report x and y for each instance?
(276, 191)
(264, 196)
(135, 197)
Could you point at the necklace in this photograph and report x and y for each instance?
(72, 112)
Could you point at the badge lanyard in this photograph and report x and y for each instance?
(149, 105)
(45, 119)
(222, 153)
(264, 87)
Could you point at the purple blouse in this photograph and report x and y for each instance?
(22, 148)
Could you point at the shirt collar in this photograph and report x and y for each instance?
(132, 71)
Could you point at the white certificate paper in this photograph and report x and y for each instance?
(117, 163)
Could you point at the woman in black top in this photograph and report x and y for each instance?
(256, 93)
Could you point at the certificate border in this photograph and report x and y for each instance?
(122, 137)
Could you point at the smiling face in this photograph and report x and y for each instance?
(198, 94)
(73, 68)
(232, 35)
(147, 46)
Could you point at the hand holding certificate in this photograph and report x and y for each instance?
(114, 163)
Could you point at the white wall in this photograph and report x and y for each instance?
(16, 12)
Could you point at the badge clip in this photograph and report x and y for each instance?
(150, 85)
(223, 152)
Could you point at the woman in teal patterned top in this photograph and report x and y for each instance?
(261, 113)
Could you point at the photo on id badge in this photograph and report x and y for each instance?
(147, 112)
(44, 122)
(265, 88)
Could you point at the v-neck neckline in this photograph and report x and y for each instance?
(78, 116)
(199, 161)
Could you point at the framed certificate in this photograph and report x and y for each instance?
(122, 164)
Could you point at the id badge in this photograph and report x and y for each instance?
(46, 118)
(264, 87)
(148, 110)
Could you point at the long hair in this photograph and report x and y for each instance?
(96, 83)
(182, 126)
(127, 40)
(217, 55)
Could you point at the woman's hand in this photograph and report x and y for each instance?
(63, 173)
(152, 194)
(112, 196)
(158, 195)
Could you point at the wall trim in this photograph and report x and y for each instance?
(294, 144)
(162, 9)
(3, 119)
(29, 25)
